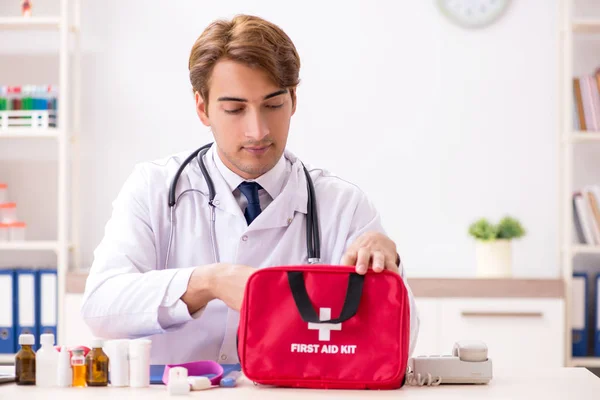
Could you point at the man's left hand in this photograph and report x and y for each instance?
(372, 250)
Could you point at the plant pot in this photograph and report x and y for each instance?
(494, 258)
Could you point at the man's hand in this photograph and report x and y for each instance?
(229, 283)
(372, 250)
(217, 281)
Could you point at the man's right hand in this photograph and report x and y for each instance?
(217, 281)
(229, 283)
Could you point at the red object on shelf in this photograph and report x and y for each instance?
(26, 8)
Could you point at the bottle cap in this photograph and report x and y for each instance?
(97, 343)
(26, 339)
(77, 352)
(47, 339)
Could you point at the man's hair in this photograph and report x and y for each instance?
(247, 39)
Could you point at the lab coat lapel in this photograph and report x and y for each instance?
(224, 199)
(293, 198)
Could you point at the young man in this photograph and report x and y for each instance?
(169, 273)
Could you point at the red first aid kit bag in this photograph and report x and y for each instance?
(323, 326)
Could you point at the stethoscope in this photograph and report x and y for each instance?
(313, 242)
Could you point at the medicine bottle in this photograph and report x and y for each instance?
(25, 361)
(78, 366)
(96, 363)
(46, 359)
(64, 373)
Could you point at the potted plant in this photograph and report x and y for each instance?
(493, 250)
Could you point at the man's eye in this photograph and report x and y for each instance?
(274, 106)
(234, 111)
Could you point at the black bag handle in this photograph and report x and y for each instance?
(305, 307)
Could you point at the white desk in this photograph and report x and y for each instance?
(549, 384)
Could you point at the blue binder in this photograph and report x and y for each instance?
(47, 301)
(26, 303)
(597, 327)
(580, 306)
(8, 341)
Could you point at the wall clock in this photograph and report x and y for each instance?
(473, 13)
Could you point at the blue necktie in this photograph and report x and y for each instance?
(250, 190)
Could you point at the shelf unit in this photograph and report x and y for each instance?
(583, 137)
(587, 25)
(24, 133)
(31, 245)
(589, 362)
(568, 140)
(61, 138)
(34, 23)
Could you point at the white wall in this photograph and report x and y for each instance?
(439, 125)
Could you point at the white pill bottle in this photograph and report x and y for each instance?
(139, 362)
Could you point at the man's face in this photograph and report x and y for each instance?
(249, 116)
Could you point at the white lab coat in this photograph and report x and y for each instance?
(129, 294)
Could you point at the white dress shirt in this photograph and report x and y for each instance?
(129, 293)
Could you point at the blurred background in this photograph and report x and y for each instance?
(443, 112)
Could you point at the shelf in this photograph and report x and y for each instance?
(582, 136)
(592, 362)
(585, 249)
(6, 359)
(23, 23)
(586, 25)
(29, 133)
(29, 245)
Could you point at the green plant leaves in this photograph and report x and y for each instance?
(507, 228)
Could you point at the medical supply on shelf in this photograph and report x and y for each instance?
(78, 366)
(118, 354)
(28, 106)
(28, 98)
(46, 359)
(16, 231)
(4, 232)
(25, 360)
(96, 364)
(8, 212)
(64, 373)
(26, 8)
(139, 362)
(3, 193)
(178, 381)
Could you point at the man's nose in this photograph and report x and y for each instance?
(256, 126)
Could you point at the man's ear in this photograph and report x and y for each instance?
(202, 109)
(293, 94)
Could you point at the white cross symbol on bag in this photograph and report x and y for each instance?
(324, 329)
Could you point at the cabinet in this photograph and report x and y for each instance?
(517, 331)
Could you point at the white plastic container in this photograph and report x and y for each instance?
(3, 193)
(46, 362)
(16, 231)
(139, 363)
(64, 372)
(4, 232)
(8, 212)
(118, 353)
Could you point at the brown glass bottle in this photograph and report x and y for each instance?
(96, 364)
(25, 361)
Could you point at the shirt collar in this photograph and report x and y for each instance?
(272, 181)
